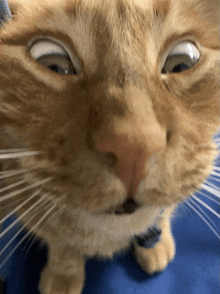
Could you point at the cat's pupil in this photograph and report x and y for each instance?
(57, 68)
(180, 67)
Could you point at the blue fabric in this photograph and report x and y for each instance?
(4, 11)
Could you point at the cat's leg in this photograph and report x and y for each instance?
(64, 272)
(153, 260)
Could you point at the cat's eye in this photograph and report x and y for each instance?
(182, 57)
(53, 56)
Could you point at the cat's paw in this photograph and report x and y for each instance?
(52, 283)
(156, 259)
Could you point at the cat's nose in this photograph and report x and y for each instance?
(131, 156)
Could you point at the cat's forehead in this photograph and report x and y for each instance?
(133, 32)
(91, 26)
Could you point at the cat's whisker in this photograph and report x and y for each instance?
(208, 197)
(13, 194)
(19, 154)
(205, 205)
(186, 209)
(212, 185)
(214, 179)
(216, 168)
(215, 174)
(20, 206)
(12, 186)
(4, 206)
(27, 235)
(211, 190)
(35, 237)
(36, 212)
(4, 151)
(204, 213)
(202, 217)
(22, 216)
(9, 174)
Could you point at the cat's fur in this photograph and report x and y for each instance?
(158, 127)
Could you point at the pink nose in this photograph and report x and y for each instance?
(131, 157)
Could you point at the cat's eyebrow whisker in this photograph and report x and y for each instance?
(19, 154)
(202, 217)
(27, 235)
(12, 186)
(204, 213)
(22, 216)
(13, 194)
(205, 205)
(20, 206)
(8, 174)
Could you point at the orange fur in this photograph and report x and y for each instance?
(161, 125)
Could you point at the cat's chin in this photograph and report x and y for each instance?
(128, 207)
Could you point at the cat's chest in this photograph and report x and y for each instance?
(98, 235)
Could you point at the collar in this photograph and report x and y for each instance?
(150, 237)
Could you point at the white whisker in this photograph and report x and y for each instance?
(4, 151)
(215, 174)
(35, 237)
(186, 209)
(20, 206)
(214, 179)
(211, 190)
(19, 154)
(12, 186)
(6, 205)
(28, 234)
(9, 174)
(204, 213)
(22, 216)
(208, 197)
(202, 217)
(22, 228)
(206, 206)
(212, 185)
(13, 194)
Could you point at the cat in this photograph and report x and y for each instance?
(107, 113)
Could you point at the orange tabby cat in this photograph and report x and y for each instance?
(107, 113)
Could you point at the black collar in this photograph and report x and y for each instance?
(149, 238)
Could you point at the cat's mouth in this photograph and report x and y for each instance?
(128, 207)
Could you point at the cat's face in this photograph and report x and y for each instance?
(124, 105)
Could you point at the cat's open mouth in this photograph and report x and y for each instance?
(128, 207)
